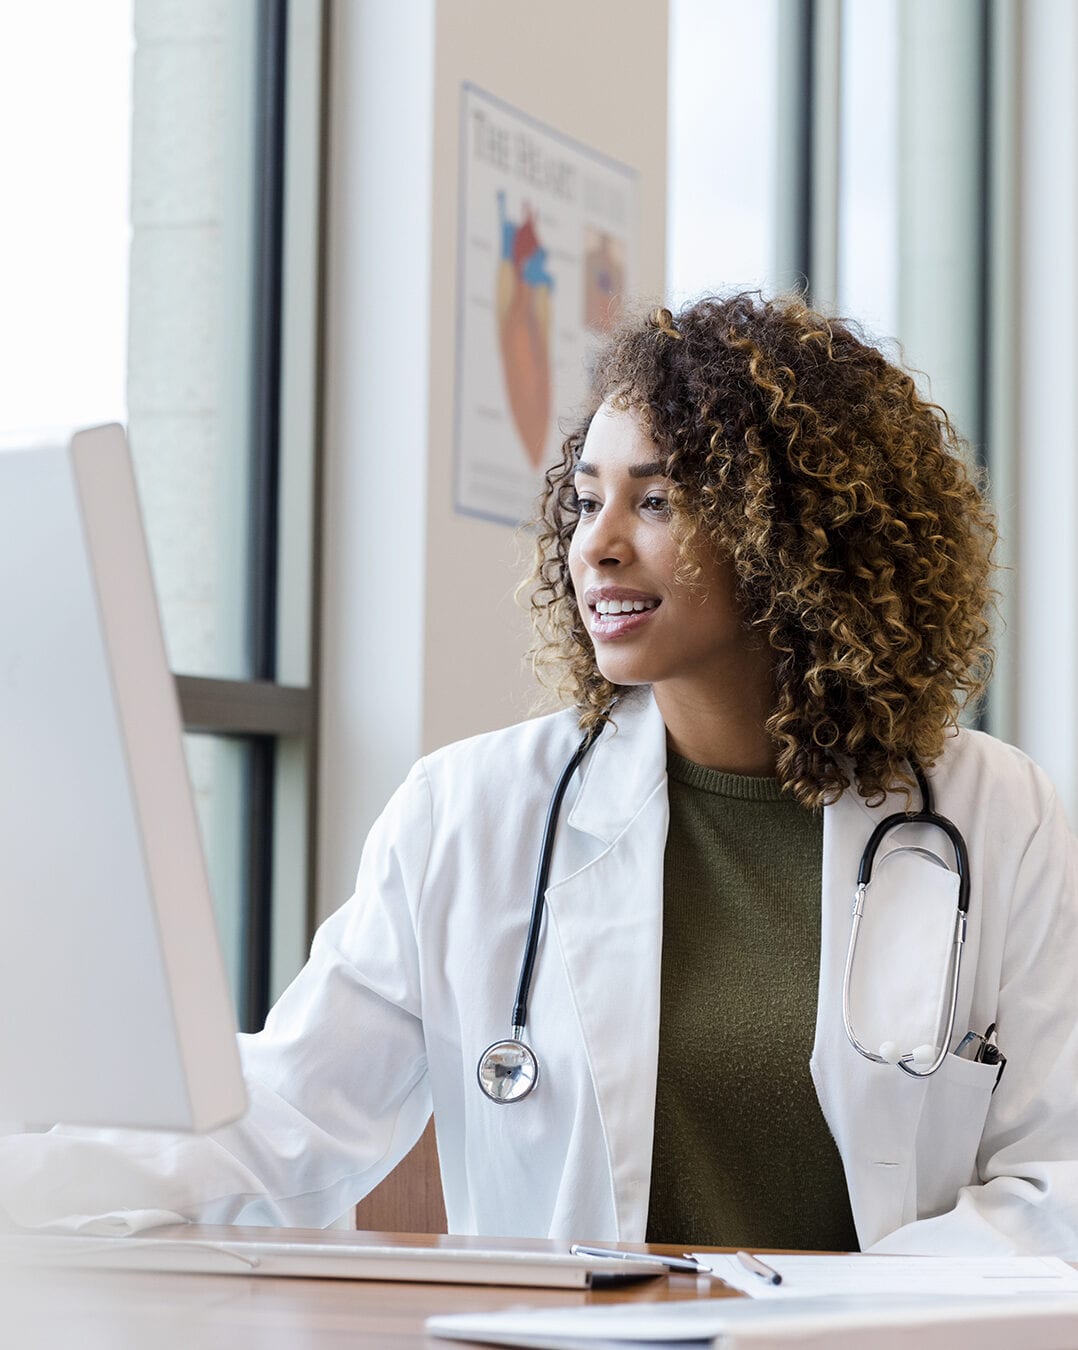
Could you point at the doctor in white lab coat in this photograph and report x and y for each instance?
(416, 974)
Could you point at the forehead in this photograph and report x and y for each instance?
(617, 440)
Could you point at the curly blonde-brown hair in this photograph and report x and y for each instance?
(860, 541)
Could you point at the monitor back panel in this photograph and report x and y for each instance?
(114, 1007)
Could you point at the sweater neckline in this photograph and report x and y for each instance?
(742, 787)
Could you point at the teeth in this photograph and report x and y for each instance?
(623, 606)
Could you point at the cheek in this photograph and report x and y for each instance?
(574, 559)
(667, 561)
(722, 613)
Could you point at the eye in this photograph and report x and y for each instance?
(656, 505)
(586, 506)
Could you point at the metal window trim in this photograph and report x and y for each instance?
(317, 560)
(244, 707)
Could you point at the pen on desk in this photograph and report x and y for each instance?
(757, 1267)
(671, 1262)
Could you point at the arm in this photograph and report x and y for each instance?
(337, 1082)
(1027, 1200)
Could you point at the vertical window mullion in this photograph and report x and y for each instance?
(794, 215)
(265, 482)
(266, 316)
(257, 926)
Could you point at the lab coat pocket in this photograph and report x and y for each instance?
(949, 1134)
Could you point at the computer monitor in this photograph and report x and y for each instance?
(114, 1004)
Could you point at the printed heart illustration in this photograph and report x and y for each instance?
(523, 314)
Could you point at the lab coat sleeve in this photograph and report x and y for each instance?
(337, 1082)
(1027, 1200)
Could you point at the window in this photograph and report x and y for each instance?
(723, 199)
(223, 427)
(169, 279)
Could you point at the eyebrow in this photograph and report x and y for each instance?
(653, 469)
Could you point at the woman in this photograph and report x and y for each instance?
(762, 577)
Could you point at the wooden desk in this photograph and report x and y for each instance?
(105, 1310)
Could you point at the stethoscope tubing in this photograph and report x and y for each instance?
(954, 972)
(542, 874)
(508, 1071)
(926, 816)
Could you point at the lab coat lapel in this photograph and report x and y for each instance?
(872, 1109)
(606, 917)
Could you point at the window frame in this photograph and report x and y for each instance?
(262, 711)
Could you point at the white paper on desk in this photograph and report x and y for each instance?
(961, 1277)
(822, 1323)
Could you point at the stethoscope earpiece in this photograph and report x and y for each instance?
(921, 1055)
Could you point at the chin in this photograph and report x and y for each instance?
(625, 674)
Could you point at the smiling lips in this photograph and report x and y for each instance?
(616, 611)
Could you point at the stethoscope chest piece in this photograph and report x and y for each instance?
(508, 1071)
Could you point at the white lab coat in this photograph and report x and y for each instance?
(416, 973)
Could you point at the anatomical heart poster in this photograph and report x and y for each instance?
(546, 259)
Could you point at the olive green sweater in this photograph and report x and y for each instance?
(743, 1156)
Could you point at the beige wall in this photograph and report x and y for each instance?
(422, 643)
(596, 72)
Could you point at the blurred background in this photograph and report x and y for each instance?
(262, 234)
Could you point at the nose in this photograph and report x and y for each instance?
(606, 540)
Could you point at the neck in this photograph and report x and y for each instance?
(719, 722)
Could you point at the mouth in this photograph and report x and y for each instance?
(615, 613)
(611, 608)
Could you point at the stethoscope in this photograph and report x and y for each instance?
(923, 1060)
(509, 1070)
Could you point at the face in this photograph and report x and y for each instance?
(646, 626)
